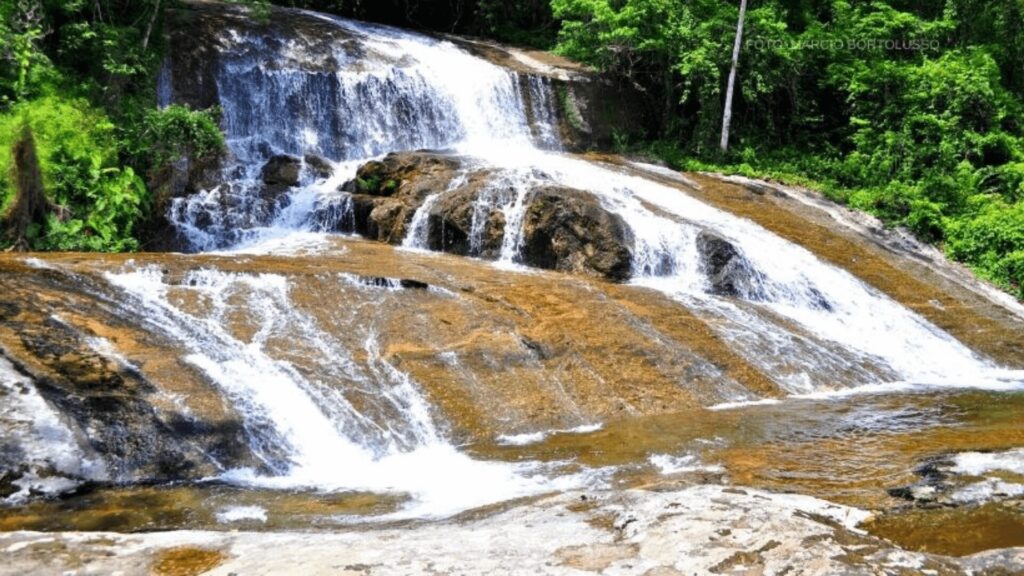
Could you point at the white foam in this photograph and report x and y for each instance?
(744, 404)
(38, 263)
(439, 479)
(282, 242)
(242, 513)
(988, 489)
(535, 437)
(681, 464)
(521, 439)
(980, 463)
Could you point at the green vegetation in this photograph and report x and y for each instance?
(911, 111)
(569, 112)
(78, 81)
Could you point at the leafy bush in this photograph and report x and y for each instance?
(991, 238)
(168, 135)
(96, 200)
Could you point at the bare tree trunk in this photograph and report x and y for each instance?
(670, 97)
(29, 203)
(149, 26)
(727, 116)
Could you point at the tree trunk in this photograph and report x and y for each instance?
(29, 203)
(670, 98)
(149, 26)
(727, 116)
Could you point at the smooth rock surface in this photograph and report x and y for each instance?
(696, 530)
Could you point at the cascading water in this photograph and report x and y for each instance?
(387, 90)
(297, 386)
(807, 325)
(417, 236)
(50, 456)
(877, 338)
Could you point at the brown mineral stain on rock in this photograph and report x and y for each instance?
(186, 561)
(595, 557)
(953, 531)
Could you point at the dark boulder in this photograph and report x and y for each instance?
(458, 224)
(562, 229)
(569, 230)
(384, 195)
(281, 170)
(318, 166)
(729, 273)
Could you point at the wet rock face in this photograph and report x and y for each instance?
(318, 166)
(112, 408)
(569, 230)
(562, 228)
(281, 170)
(198, 44)
(450, 224)
(728, 271)
(385, 194)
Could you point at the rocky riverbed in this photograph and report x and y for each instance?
(659, 531)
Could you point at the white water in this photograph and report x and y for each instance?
(978, 463)
(242, 514)
(409, 92)
(405, 92)
(535, 437)
(869, 327)
(418, 227)
(682, 464)
(38, 447)
(305, 430)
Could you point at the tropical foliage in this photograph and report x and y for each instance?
(79, 78)
(909, 110)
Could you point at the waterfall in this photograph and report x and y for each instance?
(293, 381)
(808, 325)
(402, 92)
(398, 90)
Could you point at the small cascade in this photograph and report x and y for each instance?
(831, 305)
(418, 226)
(39, 453)
(381, 90)
(313, 412)
(319, 414)
(416, 238)
(543, 112)
(514, 212)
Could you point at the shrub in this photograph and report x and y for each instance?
(95, 200)
(168, 135)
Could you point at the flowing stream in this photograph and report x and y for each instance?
(408, 92)
(326, 408)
